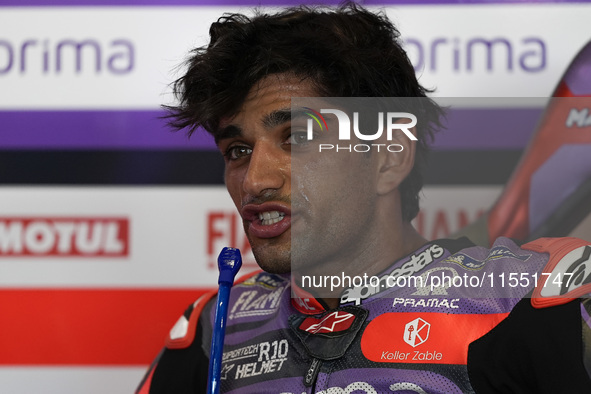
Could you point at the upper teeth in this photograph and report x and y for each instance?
(271, 217)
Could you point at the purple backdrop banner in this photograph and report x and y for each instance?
(466, 129)
(94, 130)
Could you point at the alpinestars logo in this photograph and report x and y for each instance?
(416, 332)
(415, 263)
(333, 322)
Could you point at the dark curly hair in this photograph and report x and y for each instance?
(346, 52)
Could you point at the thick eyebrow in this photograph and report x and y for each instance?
(277, 118)
(271, 120)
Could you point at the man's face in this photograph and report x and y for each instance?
(294, 202)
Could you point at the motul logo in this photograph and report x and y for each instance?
(89, 237)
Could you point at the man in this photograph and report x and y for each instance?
(348, 213)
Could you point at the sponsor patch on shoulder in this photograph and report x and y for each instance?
(470, 263)
(265, 280)
(567, 275)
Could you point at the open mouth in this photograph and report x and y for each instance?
(271, 217)
(267, 220)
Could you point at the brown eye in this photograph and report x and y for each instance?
(237, 152)
(298, 138)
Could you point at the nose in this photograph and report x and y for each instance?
(268, 169)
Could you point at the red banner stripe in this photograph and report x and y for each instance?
(88, 326)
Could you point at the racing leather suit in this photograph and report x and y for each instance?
(449, 318)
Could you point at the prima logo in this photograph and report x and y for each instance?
(387, 123)
(470, 54)
(67, 55)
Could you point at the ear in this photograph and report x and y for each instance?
(397, 159)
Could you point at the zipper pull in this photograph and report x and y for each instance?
(312, 374)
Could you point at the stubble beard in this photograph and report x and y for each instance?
(272, 257)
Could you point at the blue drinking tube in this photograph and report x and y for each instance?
(229, 262)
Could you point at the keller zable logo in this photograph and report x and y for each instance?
(416, 332)
(389, 123)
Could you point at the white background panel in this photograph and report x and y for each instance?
(169, 235)
(563, 28)
(162, 36)
(172, 228)
(169, 230)
(70, 380)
